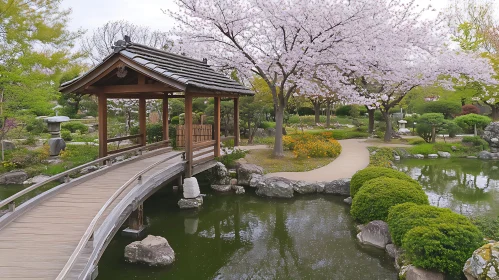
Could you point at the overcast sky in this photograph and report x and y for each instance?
(90, 14)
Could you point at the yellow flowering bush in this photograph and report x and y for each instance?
(312, 145)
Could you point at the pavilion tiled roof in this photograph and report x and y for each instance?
(189, 72)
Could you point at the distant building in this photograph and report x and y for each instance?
(431, 98)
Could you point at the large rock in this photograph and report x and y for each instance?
(153, 251)
(13, 178)
(303, 187)
(238, 189)
(256, 179)
(276, 187)
(338, 187)
(375, 233)
(444, 154)
(245, 171)
(8, 145)
(488, 155)
(56, 145)
(35, 180)
(190, 203)
(432, 156)
(191, 188)
(411, 272)
(418, 156)
(491, 135)
(220, 174)
(89, 169)
(348, 200)
(484, 263)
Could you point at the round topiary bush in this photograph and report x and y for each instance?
(376, 196)
(404, 217)
(444, 247)
(369, 173)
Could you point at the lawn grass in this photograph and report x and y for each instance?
(288, 163)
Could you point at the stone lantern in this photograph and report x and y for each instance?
(56, 143)
(402, 128)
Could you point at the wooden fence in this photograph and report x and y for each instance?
(201, 133)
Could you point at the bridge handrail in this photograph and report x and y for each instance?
(65, 174)
(89, 233)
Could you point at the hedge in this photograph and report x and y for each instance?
(374, 199)
(74, 126)
(434, 238)
(369, 173)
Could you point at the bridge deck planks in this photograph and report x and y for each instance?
(38, 244)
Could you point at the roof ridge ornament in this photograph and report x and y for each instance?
(121, 44)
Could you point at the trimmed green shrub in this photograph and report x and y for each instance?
(404, 217)
(374, 199)
(489, 226)
(447, 108)
(444, 247)
(74, 126)
(266, 125)
(154, 132)
(471, 121)
(369, 173)
(416, 141)
(344, 110)
(175, 120)
(476, 141)
(36, 126)
(66, 135)
(382, 158)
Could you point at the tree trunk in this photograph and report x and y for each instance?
(317, 110)
(475, 131)
(495, 112)
(279, 119)
(250, 133)
(433, 134)
(371, 120)
(328, 115)
(388, 121)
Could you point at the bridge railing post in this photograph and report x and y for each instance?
(12, 206)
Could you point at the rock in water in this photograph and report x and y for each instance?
(411, 272)
(433, 156)
(221, 188)
(418, 156)
(276, 187)
(375, 233)
(153, 251)
(255, 180)
(35, 180)
(239, 189)
(303, 187)
(191, 188)
(444, 154)
(13, 178)
(245, 171)
(220, 174)
(484, 263)
(491, 135)
(338, 187)
(348, 200)
(190, 203)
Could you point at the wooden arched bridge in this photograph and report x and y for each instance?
(62, 232)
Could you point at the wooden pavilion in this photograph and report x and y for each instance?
(135, 71)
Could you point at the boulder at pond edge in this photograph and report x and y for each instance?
(153, 251)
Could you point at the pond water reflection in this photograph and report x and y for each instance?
(248, 237)
(467, 186)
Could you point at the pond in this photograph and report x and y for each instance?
(248, 237)
(466, 186)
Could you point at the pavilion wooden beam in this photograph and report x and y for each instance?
(216, 130)
(102, 108)
(236, 122)
(142, 121)
(165, 118)
(188, 135)
(140, 88)
(152, 95)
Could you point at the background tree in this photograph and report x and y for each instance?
(434, 121)
(473, 121)
(448, 108)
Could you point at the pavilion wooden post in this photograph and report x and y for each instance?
(142, 121)
(102, 107)
(216, 129)
(188, 135)
(166, 135)
(236, 122)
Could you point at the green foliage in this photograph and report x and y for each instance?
(66, 135)
(445, 107)
(154, 133)
(266, 125)
(374, 199)
(312, 145)
(231, 155)
(176, 107)
(76, 155)
(468, 122)
(36, 126)
(475, 141)
(433, 238)
(416, 141)
(264, 141)
(378, 116)
(452, 128)
(344, 110)
(75, 126)
(21, 158)
(369, 173)
(381, 158)
(175, 120)
(341, 134)
(489, 226)
(423, 130)
(294, 119)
